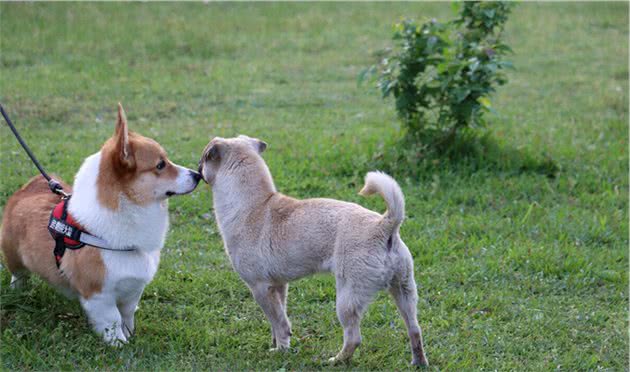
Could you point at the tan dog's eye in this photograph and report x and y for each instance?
(161, 165)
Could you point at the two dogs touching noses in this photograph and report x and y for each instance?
(120, 194)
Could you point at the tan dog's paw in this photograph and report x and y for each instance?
(422, 362)
(337, 360)
(279, 349)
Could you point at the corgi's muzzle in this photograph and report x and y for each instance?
(187, 181)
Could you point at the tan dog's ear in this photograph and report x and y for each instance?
(262, 146)
(258, 145)
(213, 151)
(123, 148)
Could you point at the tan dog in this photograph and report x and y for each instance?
(120, 196)
(273, 239)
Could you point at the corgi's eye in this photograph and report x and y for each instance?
(161, 165)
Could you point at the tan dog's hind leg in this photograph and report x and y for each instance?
(351, 303)
(267, 298)
(406, 296)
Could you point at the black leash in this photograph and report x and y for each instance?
(52, 183)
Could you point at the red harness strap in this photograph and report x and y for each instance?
(58, 214)
(65, 230)
(68, 234)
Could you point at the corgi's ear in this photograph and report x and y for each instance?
(122, 138)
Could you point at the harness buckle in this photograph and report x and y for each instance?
(56, 187)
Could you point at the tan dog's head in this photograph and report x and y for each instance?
(229, 155)
(138, 167)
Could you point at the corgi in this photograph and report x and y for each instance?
(273, 239)
(120, 195)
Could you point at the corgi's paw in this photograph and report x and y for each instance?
(18, 282)
(115, 338)
(128, 331)
(116, 342)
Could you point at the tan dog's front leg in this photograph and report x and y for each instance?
(281, 292)
(267, 298)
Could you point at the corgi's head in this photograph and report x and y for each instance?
(138, 168)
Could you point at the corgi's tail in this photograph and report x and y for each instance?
(387, 187)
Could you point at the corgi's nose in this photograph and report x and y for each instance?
(196, 176)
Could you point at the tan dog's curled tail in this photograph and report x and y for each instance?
(387, 187)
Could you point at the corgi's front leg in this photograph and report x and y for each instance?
(105, 318)
(128, 306)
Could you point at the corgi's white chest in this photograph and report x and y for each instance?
(128, 272)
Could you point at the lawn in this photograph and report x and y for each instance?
(518, 267)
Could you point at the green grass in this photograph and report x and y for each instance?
(516, 269)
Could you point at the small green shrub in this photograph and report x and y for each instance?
(441, 74)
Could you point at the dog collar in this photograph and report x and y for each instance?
(69, 234)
